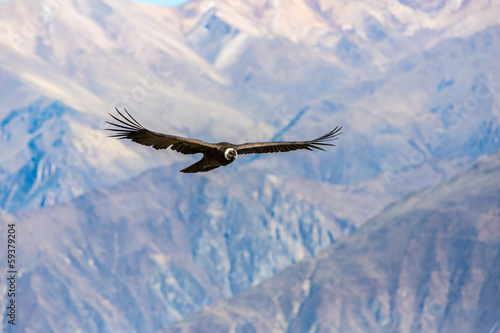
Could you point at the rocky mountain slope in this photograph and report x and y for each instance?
(414, 85)
(428, 263)
(148, 252)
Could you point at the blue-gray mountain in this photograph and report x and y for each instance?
(148, 252)
(428, 263)
(41, 164)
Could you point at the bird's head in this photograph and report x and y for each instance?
(230, 154)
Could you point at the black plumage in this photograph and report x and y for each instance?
(214, 154)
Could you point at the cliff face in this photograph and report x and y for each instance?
(428, 263)
(148, 252)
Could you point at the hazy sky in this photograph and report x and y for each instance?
(163, 2)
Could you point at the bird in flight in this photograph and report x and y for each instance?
(214, 154)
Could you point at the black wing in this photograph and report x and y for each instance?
(129, 128)
(276, 147)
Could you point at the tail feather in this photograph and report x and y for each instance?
(201, 166)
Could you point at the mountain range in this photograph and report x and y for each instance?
(400, 78)
(129, 244)
(427, 263)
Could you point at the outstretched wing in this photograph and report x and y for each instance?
(276, 147)
(129, 128)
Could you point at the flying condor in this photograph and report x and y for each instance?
(214, 154)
